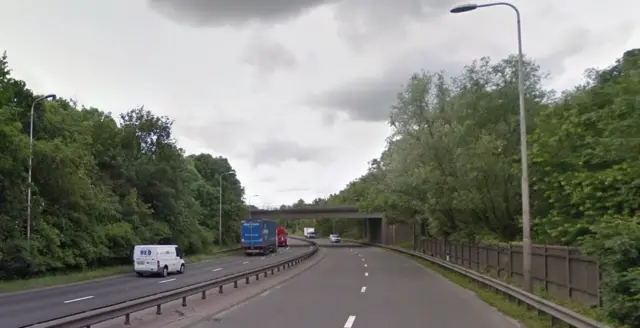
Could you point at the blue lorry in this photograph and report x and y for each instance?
(259, 236)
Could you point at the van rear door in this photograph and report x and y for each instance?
(145, 258)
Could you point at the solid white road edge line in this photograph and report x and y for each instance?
(78, 299)
(350, 321)
(218, 269)
(363, 289)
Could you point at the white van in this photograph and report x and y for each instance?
(157, 259)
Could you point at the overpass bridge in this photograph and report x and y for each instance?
(375, 226)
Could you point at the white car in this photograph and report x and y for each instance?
(334, 238)
(157, 259)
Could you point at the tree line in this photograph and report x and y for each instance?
(101, 185)
(452, 165)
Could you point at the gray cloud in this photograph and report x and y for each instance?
(364, 22)
(361, 100)
(201, 13)
(228, 137)
(268, 55)
(370, 99)
(583, 40)
(214, 135)
(278, 151)
(360, 21)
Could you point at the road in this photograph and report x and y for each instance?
(36, 306)
(324, 242)
(364, 287)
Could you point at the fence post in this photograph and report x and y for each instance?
(487, 265)
(511, 261)
(545, 268)
(498, 253)
(568, 272)
(455, 253)
(446, 250)
(477, 256)
(599, 292)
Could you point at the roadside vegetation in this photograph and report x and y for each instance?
(101, 184)
(451, 167)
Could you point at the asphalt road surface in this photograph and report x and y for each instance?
(23, 309)
(364, 288)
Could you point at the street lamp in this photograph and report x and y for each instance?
(33, 106)
(526, 211)
(220, 205)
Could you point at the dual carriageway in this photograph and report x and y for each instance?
(351, 286)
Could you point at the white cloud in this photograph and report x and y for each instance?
(295, 93)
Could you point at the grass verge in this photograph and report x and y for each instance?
(74, 277)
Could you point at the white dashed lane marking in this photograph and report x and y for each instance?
(366, 274)
(363, 289)
(78, 299)
(218, 269)
(162, 282)
(350, 321)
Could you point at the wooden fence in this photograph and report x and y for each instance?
(562, 271)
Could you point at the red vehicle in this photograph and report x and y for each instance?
(282, 237)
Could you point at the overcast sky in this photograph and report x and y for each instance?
(294, 92)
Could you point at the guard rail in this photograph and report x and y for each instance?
(86, 319)
(559, 315)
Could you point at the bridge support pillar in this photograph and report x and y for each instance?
(366, 233)
(384, 232)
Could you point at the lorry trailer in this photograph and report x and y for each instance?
(258, 236)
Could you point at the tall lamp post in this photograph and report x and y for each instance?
(220, 205)
(526, 211)
(33, 106)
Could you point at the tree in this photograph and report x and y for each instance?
(101, 185)
(452, 164)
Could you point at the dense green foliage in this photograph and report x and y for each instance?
(101, 185)
(452, 165)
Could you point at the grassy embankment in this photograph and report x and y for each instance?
(89, 274)
(529, 318)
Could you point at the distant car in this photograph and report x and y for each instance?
(333, 238)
